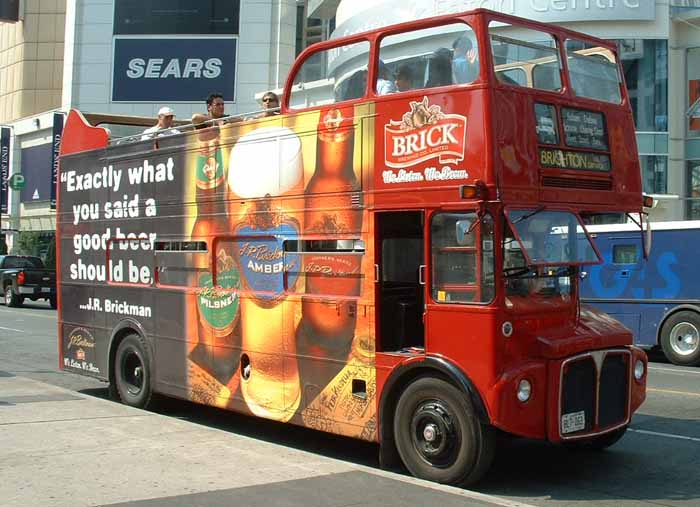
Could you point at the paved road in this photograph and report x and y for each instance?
(655, 464)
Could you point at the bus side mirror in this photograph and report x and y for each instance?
(646, 239)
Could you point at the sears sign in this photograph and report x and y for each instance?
(173, 70)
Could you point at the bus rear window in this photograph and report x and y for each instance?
(524, 57)
(593, 71)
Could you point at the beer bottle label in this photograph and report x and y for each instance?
(262, 260)
(210, 169)
(218, 306)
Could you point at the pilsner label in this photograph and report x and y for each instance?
(218, 306)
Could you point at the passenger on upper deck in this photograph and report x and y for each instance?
(404, 78)
(163, 127)
(385, 85)
(215, 110)
(465, 64)
(270, 104)
(439, 68)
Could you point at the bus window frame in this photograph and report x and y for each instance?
(286, 108)
(468, 20)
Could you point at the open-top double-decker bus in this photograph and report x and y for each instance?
(400, 268)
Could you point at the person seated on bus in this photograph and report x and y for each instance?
(465, 63)
(385, 83)
(404, 78)
(164, 125)
(270, 104)
(215, 110)
(439, 68)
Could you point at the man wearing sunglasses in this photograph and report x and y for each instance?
(215, 111)
(270, 104)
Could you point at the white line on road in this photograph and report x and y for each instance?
(667, 435)
(27, 314)
(673, 371)
(11, 329)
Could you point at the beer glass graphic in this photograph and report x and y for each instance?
(265, 166)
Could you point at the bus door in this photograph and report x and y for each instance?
(614, 285)
(400, 265)
(459, 284)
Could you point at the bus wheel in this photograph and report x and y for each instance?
(438, 436)
(680, 338)
(132, 372)
(598, 443)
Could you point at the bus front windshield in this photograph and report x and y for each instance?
(540, 251)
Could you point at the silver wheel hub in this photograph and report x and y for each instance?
(685, 339)
(430, 432)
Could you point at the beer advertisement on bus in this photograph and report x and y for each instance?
(247, 247)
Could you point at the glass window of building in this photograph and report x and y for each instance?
(654, 173)
(176, 17)
(693, 206)
(693, 70)
(645, 63)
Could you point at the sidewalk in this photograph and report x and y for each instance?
(62, 448)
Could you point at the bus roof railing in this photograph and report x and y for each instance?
(98, 119)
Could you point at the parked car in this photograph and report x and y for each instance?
(25, 277)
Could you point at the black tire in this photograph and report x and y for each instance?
(680, 338)
(12, 299)
(132, 372)
(53, 302)
(462, 448)
(598, 443)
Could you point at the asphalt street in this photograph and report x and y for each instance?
(656, 464)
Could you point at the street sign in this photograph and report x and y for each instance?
(16, 181)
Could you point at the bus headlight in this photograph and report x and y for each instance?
(639, 369)
(524, 390)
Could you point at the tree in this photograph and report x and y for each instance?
(3, 246)
(50, 261)
(28, 243)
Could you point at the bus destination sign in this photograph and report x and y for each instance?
(584, 129)
(577, 160)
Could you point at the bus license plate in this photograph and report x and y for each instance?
(46, 289)
(572, 422)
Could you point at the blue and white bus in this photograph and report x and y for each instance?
(658, 298)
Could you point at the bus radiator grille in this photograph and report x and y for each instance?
(612, 407)
(554, 181)
(594, 385)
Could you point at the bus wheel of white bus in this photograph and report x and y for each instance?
(438, 436)
(680, 338)
(598, 443)
(132, 372)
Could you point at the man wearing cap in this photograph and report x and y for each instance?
(164, 125)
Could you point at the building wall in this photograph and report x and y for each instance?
(31, 60)
(265, 54)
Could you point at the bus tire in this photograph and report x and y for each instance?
(132, 372)
(598, 443)
(680, 338)
(438, 436)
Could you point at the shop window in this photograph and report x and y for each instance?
(654, 173)
(693, 197)
(693, 71)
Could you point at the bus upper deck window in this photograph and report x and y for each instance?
(593, 71)
(331, 75)
(427, 58)
(524, 57)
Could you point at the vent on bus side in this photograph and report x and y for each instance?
(554, 181)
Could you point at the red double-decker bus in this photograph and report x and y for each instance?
(395, 257)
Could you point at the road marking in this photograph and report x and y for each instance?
(667, 435)
(671, 391)
(674, 371)
(26, 313)
(11, 329)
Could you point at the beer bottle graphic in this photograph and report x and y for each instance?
(265, 168)
(332, 207)
(217, 279)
